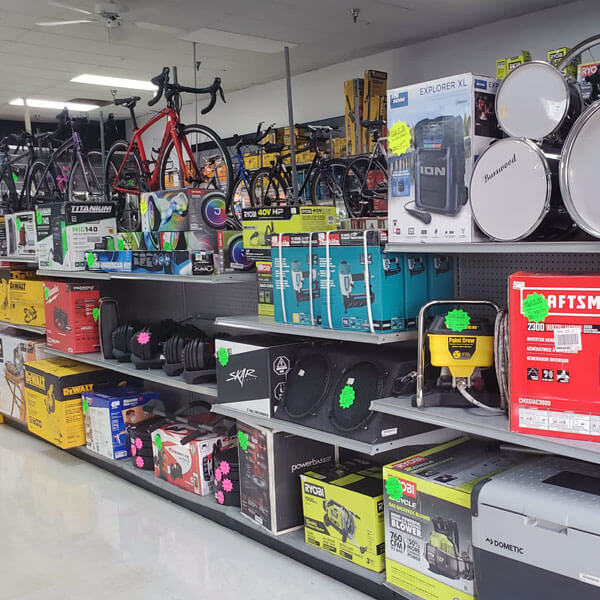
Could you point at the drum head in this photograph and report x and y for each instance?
(532, 101)
(579, 171)
(510, 189)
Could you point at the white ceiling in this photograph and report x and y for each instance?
(39, 61)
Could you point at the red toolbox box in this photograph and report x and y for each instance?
(555, 355)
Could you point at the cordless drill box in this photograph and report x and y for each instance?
(26, 302)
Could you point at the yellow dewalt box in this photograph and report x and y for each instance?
(53, 390)
(299, 138)
(339, 147)
(374, 103)
(343, 512)
(353, 102)
(252, 161)
(6, 274)
(26, 299)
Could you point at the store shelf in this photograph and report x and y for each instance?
(212, 279)
(261, 323)
(72, 274)
(437, 436)
(478, 422)
(20, 259)
(154, 375)
(499, 247)
(32, 328)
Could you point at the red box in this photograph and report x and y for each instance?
(555, 355)
(71, 321)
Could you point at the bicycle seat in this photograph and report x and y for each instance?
(376, 123)
(268, 147)
(127, 102)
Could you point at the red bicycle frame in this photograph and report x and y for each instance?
(136, 144)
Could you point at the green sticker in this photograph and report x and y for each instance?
(19, 224)
(158, 442)
(399, 138)
(457, 320)
(38, 217)
(168, 246)
(243, 440)
(535, 307)
(15, 177)
(96, 313)
(347, 396)
(223, 356)
(91, 259)
(120, 245)
(144, 206)
(86, 406)
(393, 487)
(46, 293)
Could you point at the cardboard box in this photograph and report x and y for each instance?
(110, 261)
(428, 533)
(514, 61)
(554, 349)
(107, 413)
(71, 316)
(264, 279)
(6, 274)
(343, 512)
(203, 262)
(190, 240)
(270, 467)
(374, 103)
(556, 55)
(232, 254)
(339, 147)
(138, 240)
(587, 71)
(53, 390)
(16, 349)
(20, 234)
(353, 103)
(26, 299)
(435, 131)
(300, 138)
(172, 262)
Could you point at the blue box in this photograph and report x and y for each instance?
(168, 262)
(110, 261)
(440, 276)
(107, 414)
(296, 285)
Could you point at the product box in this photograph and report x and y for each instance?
(16, 349)
(397, 283)
(555, 56)
(110, 261)
(436, 130)
(6, 274)
(296, 284)
(66, 231)
(171, 262)
(428, 534)
(260, 223)
(554, 349)
(270, 467)
(203, 262)
(107, 413)
(586, 75)
(26, 300)
(232, 254)
(71, 316)
(252, 371)
(183, 454)
(343, 511)
(3, 239)
(190, 240)
(138, 240)
(515, 61)
(53, 391)
(20, 234)
(354, 90)
(264, 280)
(374, 103)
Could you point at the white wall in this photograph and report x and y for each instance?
(319, 94)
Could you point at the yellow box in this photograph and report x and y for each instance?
(555, 56)
(339, 147)
(299, 138)
(374, 103)
(501, 69)
(6, 274)
(515, 61)
(252, 161)
(353, 103)
(305, 157)
(26, 302)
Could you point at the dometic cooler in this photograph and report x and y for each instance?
(536, 532)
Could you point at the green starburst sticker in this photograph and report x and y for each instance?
(91, 259)
(223, 356)
(15, 177)
(86, 406)
(243, 440)
(535, 307)
(19, 224)
(393, 487)
(457, 320)
(168, 246)
(38, 217)
(120, 245)
(347, 396)
(96, 314)
(158, 442)
(46, 293)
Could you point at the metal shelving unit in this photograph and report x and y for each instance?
(587, 247)
(72, 274)
(32, 260)
(212, 279)
(155, 375)
(478, 422)
(32, 328)
(261, 323)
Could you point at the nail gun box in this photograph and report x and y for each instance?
(343, 512)
(554, 350)
(428, 534)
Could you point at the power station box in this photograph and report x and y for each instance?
(428, 534)
(436, 130)
(554, 350)
(343, 512)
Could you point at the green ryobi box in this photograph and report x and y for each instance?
(343, 512)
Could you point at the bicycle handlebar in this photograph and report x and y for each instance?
(159, 81)
(252, 139)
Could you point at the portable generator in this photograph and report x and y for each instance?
(348, 281)
(343, 521)
(442, 551)
(299, 276)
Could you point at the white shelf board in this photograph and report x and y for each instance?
(212, 279)
(21, 259)
(72, 274)
(582, 247)
(32, 328)
(267, 324)
(478, 422)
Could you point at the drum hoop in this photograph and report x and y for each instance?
(565, 79)
(533, 146)
(563, 167)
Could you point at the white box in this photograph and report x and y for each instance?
(451, 121)
(20, 234)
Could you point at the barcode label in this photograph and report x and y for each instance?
(567, 339)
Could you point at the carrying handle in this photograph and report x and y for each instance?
(577, 50)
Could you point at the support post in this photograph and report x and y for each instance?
(27, 116)
(288, 81)
(102, 142)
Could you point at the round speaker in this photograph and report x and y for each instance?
(238, 254)
(214, 210)
(307, 385)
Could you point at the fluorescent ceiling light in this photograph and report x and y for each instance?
(226, 39)
(116, 82)
(55, 104)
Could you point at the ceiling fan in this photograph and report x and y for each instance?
(108, 13)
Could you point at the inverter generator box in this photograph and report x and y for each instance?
(554, 350)
(428, 534)
(26, 302)
(271, 463)
(436, 130)
(53, 389)
(343, 512)
(72, 316)
(20, 234)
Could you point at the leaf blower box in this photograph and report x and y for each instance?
(436, 130)
(428, 534)
(71, 316)
(66, 231)
(53, 391)
(107, 413)
(270, 467)
(554, 355)
(260, 223)
(26, 302)
(343, 512)
(183, 454)
(20, 234)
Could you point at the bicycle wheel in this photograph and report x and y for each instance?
(87, 183)
(240, 198)
(207, 161)
(40, 185)
(267, 188)
(365, 187)
(326, 186)
(131, 177)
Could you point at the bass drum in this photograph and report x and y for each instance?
(514, 193)
(579, 171)
(538, 101)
